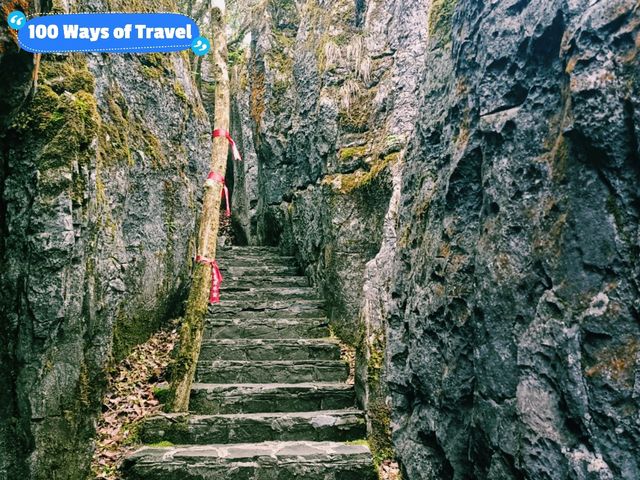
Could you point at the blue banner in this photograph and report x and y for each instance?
(109, 32)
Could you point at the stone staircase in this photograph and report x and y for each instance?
(270, 399)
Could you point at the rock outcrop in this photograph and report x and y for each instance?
(513, 349)
(489, 272)
(101, 161)
(327, 95)
(458, 178)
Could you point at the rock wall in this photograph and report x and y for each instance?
(458, 178)
(489, 272)
(101, 166)
(513, 343)
(326, 95)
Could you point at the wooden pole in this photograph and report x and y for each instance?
(192, 328)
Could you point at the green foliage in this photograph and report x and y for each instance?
(235, 57)
(179, 91)
(131, 433)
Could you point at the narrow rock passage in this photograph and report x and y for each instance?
(270, 399)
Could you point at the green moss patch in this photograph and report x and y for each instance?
(350, 153)
(163, 444)
(440, 20)
(350, 182)
(378, 411)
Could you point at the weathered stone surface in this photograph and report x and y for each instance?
(286, 460)
(500, 300)
(248, 250)
(259, 260)
(326, 425)
(281, 388)
(277, 293)
(100, 174)
(213, 399)
(513, 347)
(332, 91)
(280, 371)
(270, 281)
(262, 270)
(270, 349)
(247, 307)
(272, 389)
(267, 328)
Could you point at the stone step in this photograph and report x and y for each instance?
(259, 270)
(270, 349)
(182, 429)
(271, 293)
(248, 250)
(243, 282)
(261, 461)
(226, 371)
(256, 296)
(266, 328)
(261, 261)
(213, 399)
(267, 308)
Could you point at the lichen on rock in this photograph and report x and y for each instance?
(89, 156)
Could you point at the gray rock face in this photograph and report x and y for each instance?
(513, 343)
(496, 265)
(329, 92)
(101, 172)
(488, 272)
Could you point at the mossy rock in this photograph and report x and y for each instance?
(355, 119)
(161, 394)
(350, 153)
(378, 412)
(236, 56)
(156, 65)
(350, 182)
(163, 444)
(440, 20)
(62, 117)
(42, 111)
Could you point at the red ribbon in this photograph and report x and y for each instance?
(219, 132)
(216, 177)
(216, 278)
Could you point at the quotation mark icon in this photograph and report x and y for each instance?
(200, 46)
(16, 20)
